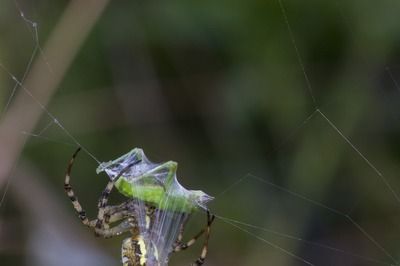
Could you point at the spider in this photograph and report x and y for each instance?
(156, 226)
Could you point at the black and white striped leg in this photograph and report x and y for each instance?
(109, 214)
(200, 260)
(101, 215)
(70, 193)
(119, 229)
(179, 246)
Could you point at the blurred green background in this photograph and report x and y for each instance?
(217, 87)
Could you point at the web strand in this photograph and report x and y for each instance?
(232, 222)
(339, 132)
(49, 114)
(299, 59)
(369, 163)
(19, 83)
(291, 254)
(317, 204)
(48, 139)
(295, 238)
(27, 68)
(335, 128)
(396, 84)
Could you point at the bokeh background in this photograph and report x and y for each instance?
(216, 86)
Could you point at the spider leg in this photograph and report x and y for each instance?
(182, 246)
(116, 213)
(200, 260)
(124, 226)
(179, 245)
(111, 213)
(70, 193)
(102, 216)
(102, 206)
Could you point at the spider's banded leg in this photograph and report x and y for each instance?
(112, 212)
(102, 215)
(200, 260)
(117, 208)
(117, 230)
(116, 213)
(68, 189)
(102, 206)
(179, 245)
(182, 246)
(180, 236)
(115, 217)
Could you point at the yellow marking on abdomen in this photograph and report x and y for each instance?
(143, 250)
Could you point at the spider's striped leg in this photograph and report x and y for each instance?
(200, 260)
(68, 189)
(179, 245)
(182, 246)
(114, 213)
(178, 241)
(124, 226)
(102, 216)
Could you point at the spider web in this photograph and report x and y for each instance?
(386, 253)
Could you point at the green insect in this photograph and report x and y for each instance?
(155, 213)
